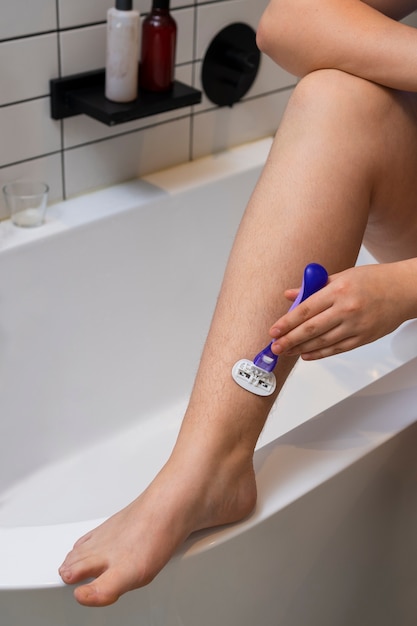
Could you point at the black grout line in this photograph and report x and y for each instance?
(52, 32)
(191, 140)
(61, 124)
(28, 36)
(193, 82)
(17, 102)
(63, 177)
(58, 40)
(29, 159)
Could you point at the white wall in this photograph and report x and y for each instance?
(44, 39)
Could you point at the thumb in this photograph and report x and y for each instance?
(291, 294)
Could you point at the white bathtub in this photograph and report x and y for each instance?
(103, 314)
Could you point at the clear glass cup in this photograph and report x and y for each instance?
(26, 202)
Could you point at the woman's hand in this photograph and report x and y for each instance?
(357, 306)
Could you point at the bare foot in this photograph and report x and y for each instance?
(130, 548)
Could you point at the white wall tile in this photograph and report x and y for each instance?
(26, 17)
(174, 3)
(411, 20)
(79, 12)
(127, 156)
(83, 49)
(185, 36)
(212, 19)
(27, 131)
(47, 169)
(221, 129)
(26, 66)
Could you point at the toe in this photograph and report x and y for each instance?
(76, 571)
(104, 590)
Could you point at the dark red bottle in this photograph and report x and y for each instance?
(159, 38)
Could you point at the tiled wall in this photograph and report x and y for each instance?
(44, 39)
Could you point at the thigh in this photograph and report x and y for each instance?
(391, 232)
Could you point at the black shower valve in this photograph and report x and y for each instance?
(231, 64)
(241, 60)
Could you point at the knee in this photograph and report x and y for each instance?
(342, 98)
(342, 118)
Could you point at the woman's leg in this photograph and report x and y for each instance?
(312, 203)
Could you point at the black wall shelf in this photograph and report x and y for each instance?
(84, 93)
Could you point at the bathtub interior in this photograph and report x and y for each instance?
(102, 323)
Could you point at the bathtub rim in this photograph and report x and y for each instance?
(110, 201)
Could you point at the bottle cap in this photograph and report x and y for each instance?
(124, 5)
(160, 4)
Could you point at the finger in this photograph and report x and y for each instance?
(331, 350)
(313, 334)
(322, 339)
(313, 306)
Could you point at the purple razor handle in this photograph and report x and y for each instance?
(315, 277)
(257, 376)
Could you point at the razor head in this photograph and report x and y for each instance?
(253, 378)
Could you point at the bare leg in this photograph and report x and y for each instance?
(312, 203)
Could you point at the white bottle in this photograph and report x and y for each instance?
(122, 52)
